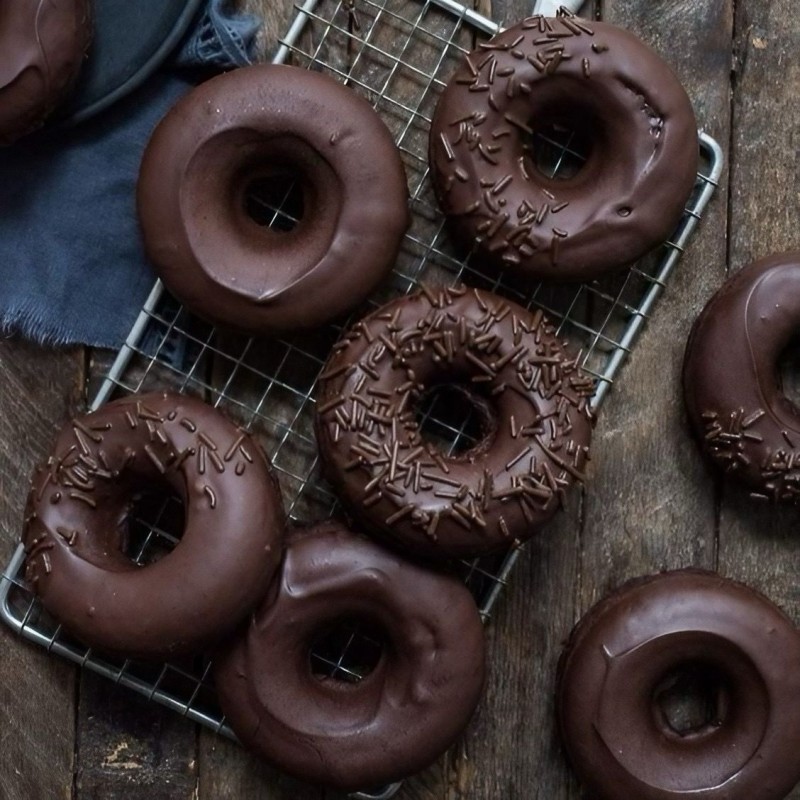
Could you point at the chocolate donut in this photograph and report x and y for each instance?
(254, 125)
(400, 716)
(626, 653)
(732, 387)
(586, 76)
(42, 46)
(76, 527)
(531, 394)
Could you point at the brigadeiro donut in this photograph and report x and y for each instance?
(627, 654)
(528, 389)
(588, 77)
(249, 127)
(76, 527)
(396, 719)
(732, 384)
(42, 47)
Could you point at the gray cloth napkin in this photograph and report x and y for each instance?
(71, 258)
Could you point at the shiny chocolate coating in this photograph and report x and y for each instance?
(398, 718)
(531, 393)
(586, 76)
(251, 125)
(732, 387)
(77, 523)
(42, 47)
(619, 660)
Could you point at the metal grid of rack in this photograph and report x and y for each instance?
(399, 56)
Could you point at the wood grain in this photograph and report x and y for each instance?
(759, 544)
(130, 748)
(37, 691)
(651, 502)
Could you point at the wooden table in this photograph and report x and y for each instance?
(651, 502)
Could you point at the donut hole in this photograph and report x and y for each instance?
(692, 699)
(789, 372)
(346, 649)
(248, 203)
(560, 150)
(275, 201)
(142, 527)
(156, 521)
(453, 418)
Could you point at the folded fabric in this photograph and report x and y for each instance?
(71, 258)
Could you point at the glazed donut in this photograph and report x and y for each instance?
(42, 47)
(256, 124)
(586, 76)
(529, 391)
(76, 527)
(398, 718)
(625, 653)
(732, 387)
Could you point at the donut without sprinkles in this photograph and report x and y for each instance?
(624, 654)
(394, 721)
(589, 77)
(259, 125)
(529, 389)
(76, 527)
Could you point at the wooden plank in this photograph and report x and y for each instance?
(227, 772)
(37, 690)
(650, 503)
(277, 17)
(512, 747)
(759, 544)
(131, 748)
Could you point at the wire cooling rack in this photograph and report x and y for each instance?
(399, 55)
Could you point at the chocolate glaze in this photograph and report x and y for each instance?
(731, 383)
(248, 125)
(42, 46)
(533, 395)
(590, 77)
(616, 734)
(401, 716)
(76, 527)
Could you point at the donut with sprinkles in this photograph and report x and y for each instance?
(531, 395)
(610, 90)
(76, 527)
